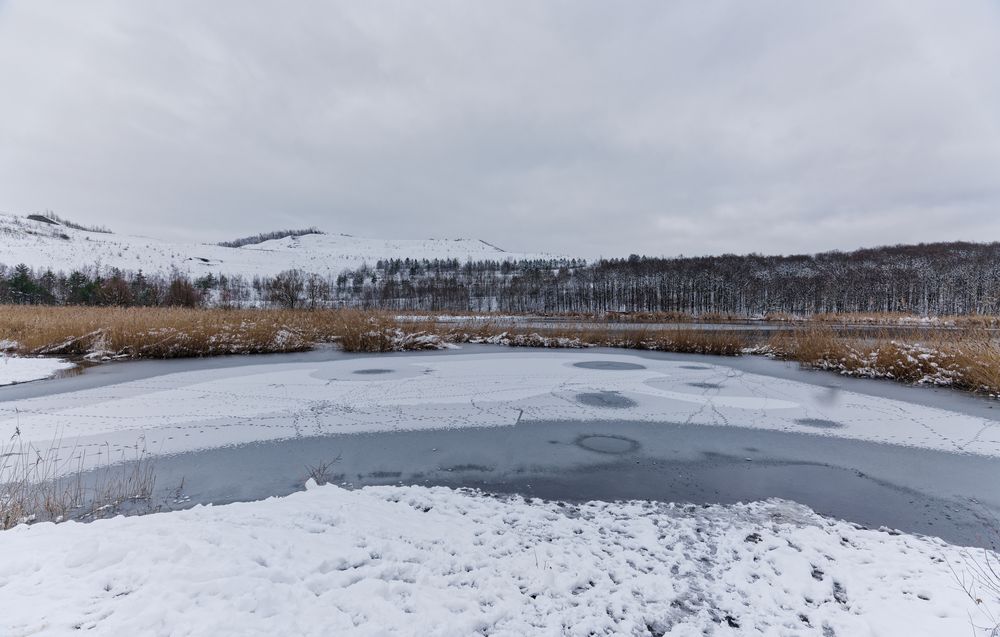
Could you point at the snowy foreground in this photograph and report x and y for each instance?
(418, 561)
(21, 370)
(212, 408)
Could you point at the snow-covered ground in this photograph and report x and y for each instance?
(418, 561)
(218, 407)
(14, 369)
(41, 245)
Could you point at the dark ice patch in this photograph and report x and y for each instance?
(705, 385)
(819, 423)
(607, 444)
(463, 468)
(608, 365)
(373, 371)
(606, 399)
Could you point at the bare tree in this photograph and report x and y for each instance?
(285, 289)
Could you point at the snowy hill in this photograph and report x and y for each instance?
(41, 244)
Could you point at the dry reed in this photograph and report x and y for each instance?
(39, 484)
(967, 358)
(171, 332)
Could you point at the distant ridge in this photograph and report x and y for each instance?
(46, 241)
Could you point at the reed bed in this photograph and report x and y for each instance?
(179, 332)
(107, 333)
(967, 358)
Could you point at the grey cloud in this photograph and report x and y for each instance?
(582, 128)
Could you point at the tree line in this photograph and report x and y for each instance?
(925, 279)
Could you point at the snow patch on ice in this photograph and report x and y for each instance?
(15, 369)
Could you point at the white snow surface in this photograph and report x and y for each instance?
(419, 561)
(41, 245)
(14, 369)
(211, 408)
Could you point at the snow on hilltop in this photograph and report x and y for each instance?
(52, 245)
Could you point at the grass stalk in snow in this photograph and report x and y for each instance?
(39, 485)
(977, 574)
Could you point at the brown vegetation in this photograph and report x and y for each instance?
(159, 332)
(38, 485)
(109, 332)
(966, 358)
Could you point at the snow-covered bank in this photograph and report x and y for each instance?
(416, 561)
(14, 369)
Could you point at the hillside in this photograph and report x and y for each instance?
(927, 279)
(43, 245)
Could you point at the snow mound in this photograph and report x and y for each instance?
(418, 561)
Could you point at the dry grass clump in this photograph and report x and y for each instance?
(695, 341)
(39, 485)
(808, 345)
(979, 360)
(966, 359)
(781, 317)
(683, 340)
(691, 340)
(367, 331)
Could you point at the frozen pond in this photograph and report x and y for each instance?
(875, 485)
(567, 424)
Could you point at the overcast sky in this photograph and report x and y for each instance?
(576, 127)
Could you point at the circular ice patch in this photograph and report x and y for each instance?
(819, 423)
(373, 371)
(607, 444)
(608, 399)
(608, 365)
